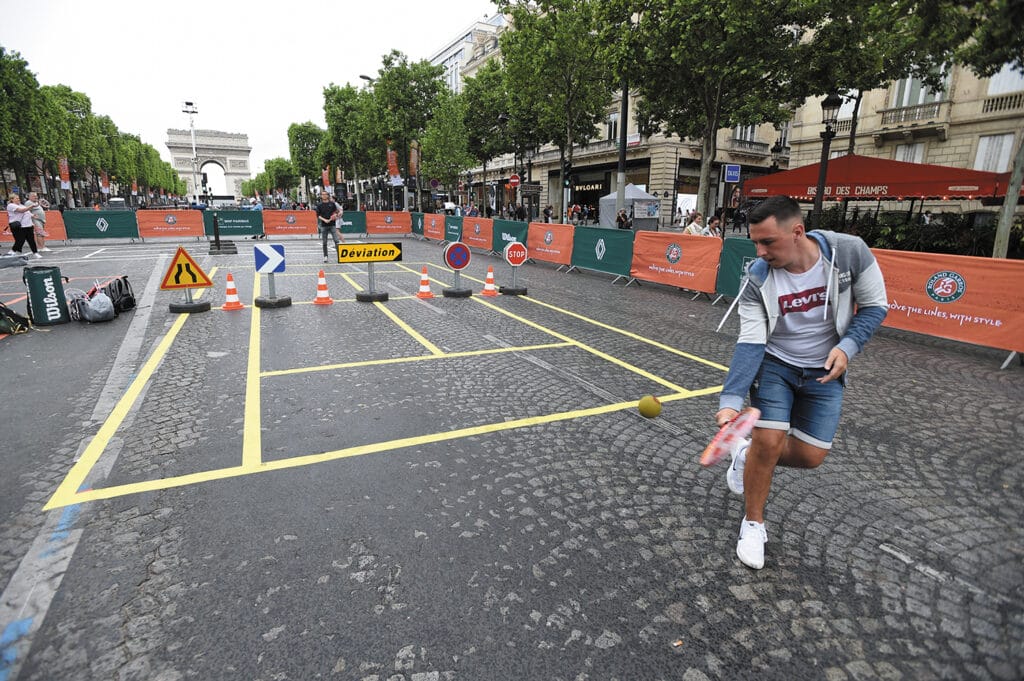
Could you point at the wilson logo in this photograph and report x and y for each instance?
(802, 301)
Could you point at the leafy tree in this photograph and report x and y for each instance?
(303, 144)
(445, 150)
(281, 173)
(351, 127)
(488, 93)
(559, 72)
(19, 120)
(862, 45)
(702, 65)
(987, 36)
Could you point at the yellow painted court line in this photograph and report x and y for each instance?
(252, 435)
(418, 358)
(628, 334)
(76, 477)
(431, 348)
(594, 351)
(360, 450)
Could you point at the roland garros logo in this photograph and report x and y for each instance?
(170, 219)
(290, 219)
(673, 253)
(388, 219)
(548, 238)
(946, 287)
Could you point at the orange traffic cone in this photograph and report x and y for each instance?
(489, 289)
(425, 286)
(232, 302)
(322, 297)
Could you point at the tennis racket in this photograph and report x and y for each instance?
(728, 435)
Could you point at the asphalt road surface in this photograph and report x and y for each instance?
(463, 490)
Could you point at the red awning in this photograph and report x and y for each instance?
(865, 177)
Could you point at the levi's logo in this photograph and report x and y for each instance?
(802, 301)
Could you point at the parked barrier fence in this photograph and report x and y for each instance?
(54, 227)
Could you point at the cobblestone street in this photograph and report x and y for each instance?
(463, 490)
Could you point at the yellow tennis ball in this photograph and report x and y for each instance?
(649, 406)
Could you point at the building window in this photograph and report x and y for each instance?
(910, 153)
(1009, 79)
(613, 126)
(911, 92)
(784, 134)
(744, 133)
(994, 153)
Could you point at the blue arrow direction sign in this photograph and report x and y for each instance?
(269, 258)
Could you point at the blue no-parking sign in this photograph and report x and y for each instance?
(732, 172)
(269, 258)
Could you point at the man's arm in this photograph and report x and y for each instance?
(872, 304)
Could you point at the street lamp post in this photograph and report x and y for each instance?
(829, 113)
(191, 110)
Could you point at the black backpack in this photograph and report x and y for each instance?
(11, 322)
(120, 292)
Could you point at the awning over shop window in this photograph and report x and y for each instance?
(865, 177)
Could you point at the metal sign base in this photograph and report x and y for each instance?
(188, 305)
(372, 296)
(456, 292)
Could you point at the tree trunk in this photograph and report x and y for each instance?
(1009, 205)
(709, 148)
(853, 122)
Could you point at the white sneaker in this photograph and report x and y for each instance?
(325, 258)
(36, 255)
(44, 249)
(750, 547)
(734, 474)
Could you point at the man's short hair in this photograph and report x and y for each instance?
(782, 208)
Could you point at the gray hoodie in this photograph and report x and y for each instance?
(856, 300)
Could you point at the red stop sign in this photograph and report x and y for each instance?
(513, 180)
(515, 254)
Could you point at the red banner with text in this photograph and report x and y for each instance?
(550, 242)
(681, 260)
(388, 222)
(284, 222)
(963, 298)
(170, 223)
(478, 233)
(433, 226)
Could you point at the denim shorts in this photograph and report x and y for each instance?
(791, 399)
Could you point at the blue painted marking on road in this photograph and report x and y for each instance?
(67, 519)
(8, 654)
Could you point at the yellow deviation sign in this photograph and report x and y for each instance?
(369, 253)
(184, 273)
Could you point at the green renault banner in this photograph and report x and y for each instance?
(736, 253)
(452, 227)
(101, 224)
(232, 223)
(604, 249)
(507, 231)
(417, 223)
(352, 222)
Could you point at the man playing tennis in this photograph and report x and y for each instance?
(808, 304)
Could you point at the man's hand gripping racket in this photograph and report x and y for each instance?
(729, 434)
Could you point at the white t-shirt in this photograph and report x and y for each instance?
(802, 336)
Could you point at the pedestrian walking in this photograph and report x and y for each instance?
(327, 214)
(807, 306)
(19, 220)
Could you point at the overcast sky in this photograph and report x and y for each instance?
(252, 67)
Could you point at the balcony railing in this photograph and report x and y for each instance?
(1011, 102)
(844, 126)
(749, 147)
(910, 114)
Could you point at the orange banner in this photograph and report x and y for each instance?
(682, 260)
(550, 243)
(433, 226)
(325, 176)
(478, 233)
(285, 222)
(65, 173)
(963, 298)
(393, 163)
(155, 224)
(55, 228)
(388, 222)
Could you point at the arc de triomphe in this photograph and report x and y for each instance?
(229, 150)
